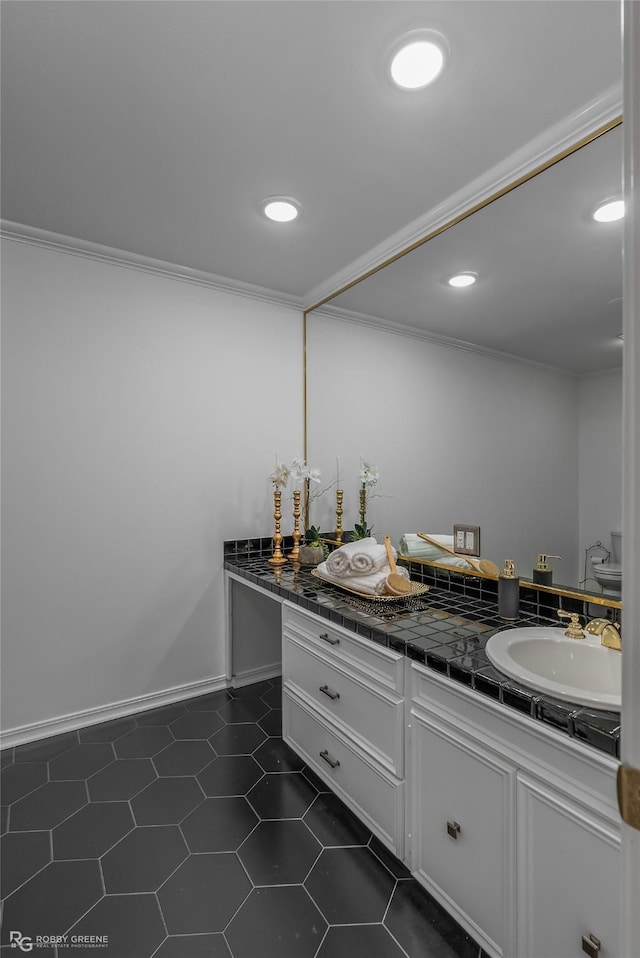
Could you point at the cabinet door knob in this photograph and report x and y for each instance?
(591, 945)
(327, 691)
(453, 829)
(327, 638)
(333, 762)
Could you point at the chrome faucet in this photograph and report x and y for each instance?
(609, 632)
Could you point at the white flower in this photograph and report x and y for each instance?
(280, 476)
(301, 472)
(369, 474)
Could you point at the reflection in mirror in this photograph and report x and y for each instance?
(496, 405)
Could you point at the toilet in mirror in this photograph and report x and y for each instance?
(608, 571)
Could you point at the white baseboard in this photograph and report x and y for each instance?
(106, 713)
(256, 675)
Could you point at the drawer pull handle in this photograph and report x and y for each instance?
(327, 691)
(327, 638)
(591, 945)
(453, 829)
(333, 762)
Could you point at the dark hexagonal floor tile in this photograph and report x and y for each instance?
(183, 758)
(108, 731)
(237, 739)
(255, 690)
(348, 940)
(193, 946)
(230, 775)
(52, 900)
(6, 756)
(334, 824)
(422, 926)
(19, 780)
(90, 832)
(121, 780)
(290, 925)
(132, 923)
(279, 853)
(203, 894)
(144, 859)
(48, 806)
(23, 854)
(243, 710)
(143, 742)
(196, 725)
(167, 801)
(46, 748)
(350, 886)
(274, 755)
(271, 723)
(282, 795)
(219, 825)
(162, 716)
(81, 762)
(208, 703)
(273, 698)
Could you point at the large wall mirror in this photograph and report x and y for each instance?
(497, 405)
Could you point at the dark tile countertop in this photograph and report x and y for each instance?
(446, 629)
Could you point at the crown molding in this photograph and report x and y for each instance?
(400, 329)
(33, 236)
(555, 141)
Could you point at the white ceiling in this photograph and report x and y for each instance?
(158, 127)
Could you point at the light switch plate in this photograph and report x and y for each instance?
(466, 540)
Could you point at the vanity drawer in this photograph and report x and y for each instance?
(367, 713)
(375, 796)
(379, 664)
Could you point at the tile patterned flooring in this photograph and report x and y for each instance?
(193, 831)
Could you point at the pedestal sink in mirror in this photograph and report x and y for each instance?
(578, 670)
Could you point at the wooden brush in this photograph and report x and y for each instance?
(480, 565)
(396, 584)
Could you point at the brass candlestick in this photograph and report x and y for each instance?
(277, 558)
(363, 506)
(295, 552)
(339, 495)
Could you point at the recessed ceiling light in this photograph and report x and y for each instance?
(460, 280)
(281, 209)
(417, 59)
(609, 212)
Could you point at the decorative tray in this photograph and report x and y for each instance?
(417, 588)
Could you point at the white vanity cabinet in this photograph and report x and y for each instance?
(514, 827)
(463, 827)
(343, 712)
(568, 876)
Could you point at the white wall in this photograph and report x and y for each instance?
(458, 437)
(140, 419)
(600, 461)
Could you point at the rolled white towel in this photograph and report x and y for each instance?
(412, 544)
(372, 584)
(360, 583)
(357, 558)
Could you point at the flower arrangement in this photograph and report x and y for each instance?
(305, 474)
(369, 476)
(280, 476)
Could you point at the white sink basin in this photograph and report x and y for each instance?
(580, 670)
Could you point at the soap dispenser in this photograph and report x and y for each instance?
(508, 591)
(542, 572)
